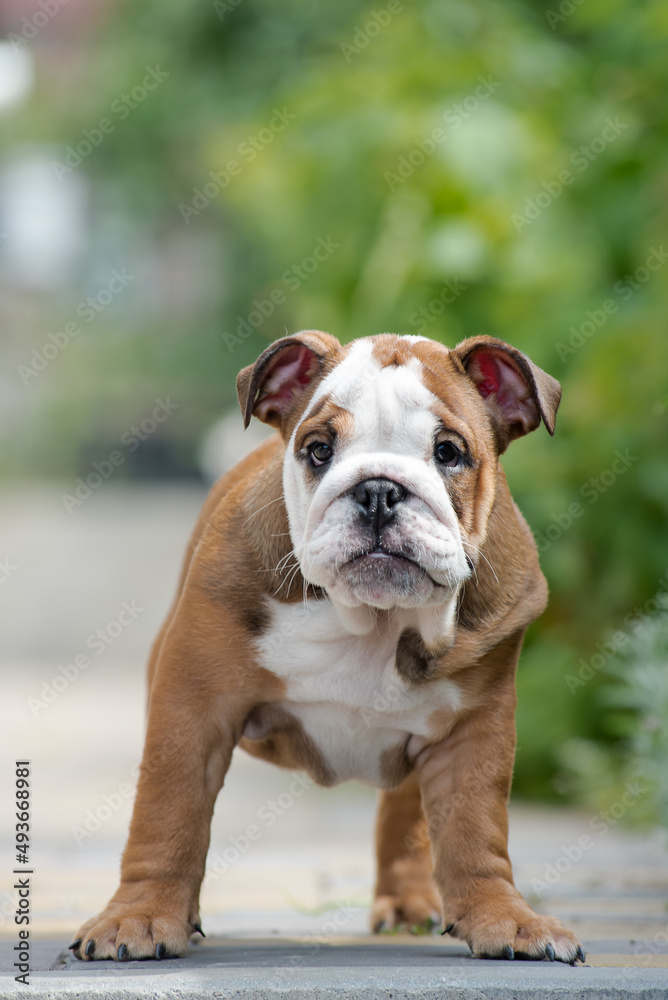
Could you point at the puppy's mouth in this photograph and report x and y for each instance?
(385, 561)
(380, 553)
(384, 578)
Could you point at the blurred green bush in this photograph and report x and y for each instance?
(435, 168)
(634, 701)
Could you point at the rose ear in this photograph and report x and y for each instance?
(283, 375)
(517, 392)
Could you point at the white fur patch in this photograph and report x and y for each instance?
(345, 689)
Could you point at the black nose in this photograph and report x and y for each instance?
(377, 499)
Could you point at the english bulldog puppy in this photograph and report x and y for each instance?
(353, 602)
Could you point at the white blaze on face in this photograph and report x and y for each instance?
(391, 436)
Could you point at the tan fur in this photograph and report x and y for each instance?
(208, 693)
(405, 893)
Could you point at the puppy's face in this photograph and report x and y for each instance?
(374, 473)
(391, 453)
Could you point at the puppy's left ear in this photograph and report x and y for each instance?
(282, 379)
(518, 394)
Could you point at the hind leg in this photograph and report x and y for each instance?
(405, 894)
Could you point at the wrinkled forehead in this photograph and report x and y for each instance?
(381, 383)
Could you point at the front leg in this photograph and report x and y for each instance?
(204, 687)
(465, 783)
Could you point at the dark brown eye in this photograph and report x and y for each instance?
(447, 454)
(320, 452)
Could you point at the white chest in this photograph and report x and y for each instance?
(345, 690)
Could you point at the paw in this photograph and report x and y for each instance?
(135, 928)
(418, 909)
(511, 929)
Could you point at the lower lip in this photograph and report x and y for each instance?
(385, 556)
(382, 556)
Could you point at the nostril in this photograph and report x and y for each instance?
(362, 495)
(395, 494)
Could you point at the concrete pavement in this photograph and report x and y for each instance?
(342, 968)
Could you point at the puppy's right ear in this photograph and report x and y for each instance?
(277, 387)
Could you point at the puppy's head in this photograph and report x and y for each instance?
(391, 456)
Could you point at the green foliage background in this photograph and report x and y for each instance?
(561, 73)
